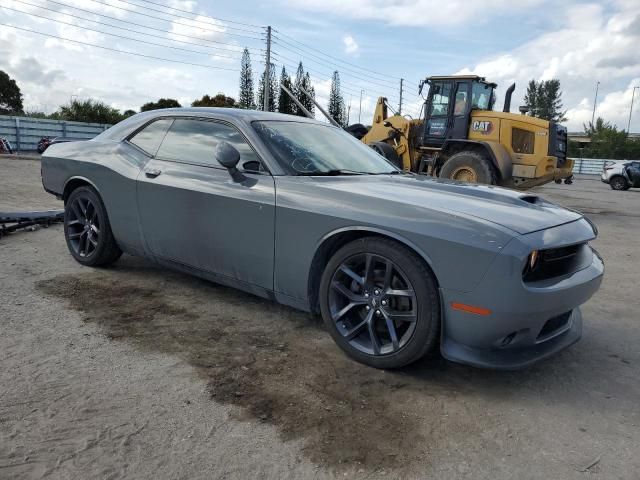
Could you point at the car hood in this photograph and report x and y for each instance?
(518, 211)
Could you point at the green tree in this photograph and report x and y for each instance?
(220, 100)
(273, 89)
(285, 104)
(336, 102)
(303, 81)
(10, 95)
(128, 113)
(544, 99)
(245, 98)
(92, 111)
(161, 103)
(608, 142)
(35, 114)
(308, 86)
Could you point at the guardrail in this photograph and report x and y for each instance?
(591, 166)
(24, 133)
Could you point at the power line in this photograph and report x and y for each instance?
(323, 74)
(342, 87)
(119, 51)
(333, 58)
(137, 24)
(284, 43)
(339, 68)
(167, 20)
(237, 50)
(208, 16)
(187, 18)
(121, 36)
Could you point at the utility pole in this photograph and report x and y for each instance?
(360, 109)
(595, 102)
(267, 73)
(631, 110)
(400, 104)
(349, 110)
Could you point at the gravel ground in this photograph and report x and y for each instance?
(139, 372)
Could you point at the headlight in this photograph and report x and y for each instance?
(533, 259)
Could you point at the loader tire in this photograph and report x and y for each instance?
(471, 167)
(388, 152)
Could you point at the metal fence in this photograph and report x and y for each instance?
(590, 166)
(24, 133)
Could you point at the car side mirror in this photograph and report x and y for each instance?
(228, 156)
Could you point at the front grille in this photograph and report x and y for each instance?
(556, 262)
(554, 325)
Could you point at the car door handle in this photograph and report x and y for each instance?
(152, 172)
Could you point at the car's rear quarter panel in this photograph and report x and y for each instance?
(111, 168)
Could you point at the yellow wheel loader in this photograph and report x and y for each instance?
(460, 137)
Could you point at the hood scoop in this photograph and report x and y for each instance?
(532, 199)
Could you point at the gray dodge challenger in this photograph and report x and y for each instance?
(302, 213)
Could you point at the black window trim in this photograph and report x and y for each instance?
(128, 138)
(197, 164)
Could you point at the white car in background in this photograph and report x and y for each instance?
(621, 175)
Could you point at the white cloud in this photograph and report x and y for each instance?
(593, 45)
(350, 45)
(188, 5)
(416, 12)
(200, 27)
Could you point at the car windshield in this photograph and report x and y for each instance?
(315, 149)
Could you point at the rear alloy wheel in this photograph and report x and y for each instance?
(470, 167)
(619, 183)
(380, 303)
(87, 229)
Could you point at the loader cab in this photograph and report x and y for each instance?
(449, 104)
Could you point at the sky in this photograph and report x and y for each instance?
(372, 43)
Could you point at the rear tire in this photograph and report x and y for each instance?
(386, 318)
(619, 183)
(87, 229)
(471, 167)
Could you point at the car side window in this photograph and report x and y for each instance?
(195, 141)
(150, 137)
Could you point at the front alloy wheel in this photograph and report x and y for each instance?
(373, 304)
(380, 302)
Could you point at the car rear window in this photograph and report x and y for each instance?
(150, 137)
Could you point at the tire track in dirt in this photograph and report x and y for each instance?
(276, 363)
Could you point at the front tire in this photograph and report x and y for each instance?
(619, 183)
(380, 303)
(469, 166)
(87, 229)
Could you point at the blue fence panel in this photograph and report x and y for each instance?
(591, 166)
(24, 133)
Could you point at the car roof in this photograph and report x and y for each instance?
(234, 115)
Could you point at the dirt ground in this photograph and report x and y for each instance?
(139, 372)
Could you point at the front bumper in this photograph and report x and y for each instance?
(527, 321)
(516, 357)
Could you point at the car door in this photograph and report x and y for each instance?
(437, 115)
(634, 174)
(193, 213)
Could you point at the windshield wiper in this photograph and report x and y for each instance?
(331, 173)
(392, 172)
